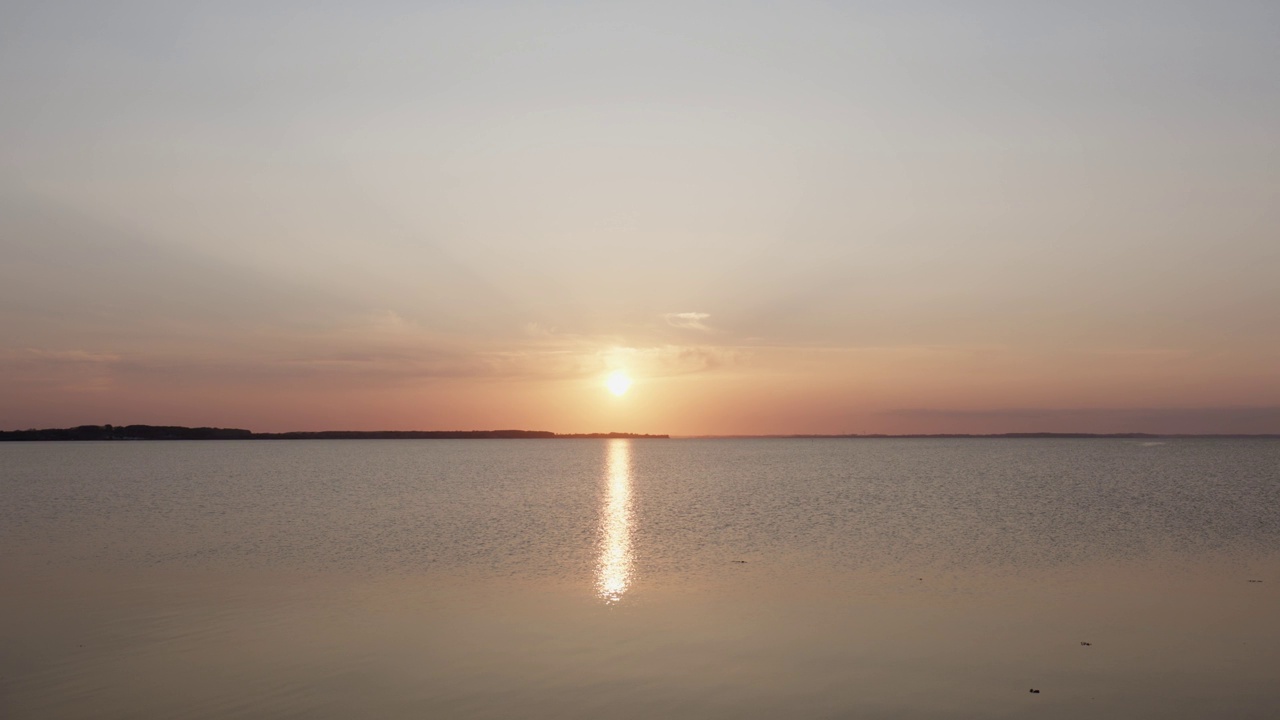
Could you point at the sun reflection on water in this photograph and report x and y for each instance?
(614, 569)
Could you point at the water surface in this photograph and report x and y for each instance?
(637, 579)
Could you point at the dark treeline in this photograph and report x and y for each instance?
(128, 432)
(166, 432)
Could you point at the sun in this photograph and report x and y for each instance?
(618, 383)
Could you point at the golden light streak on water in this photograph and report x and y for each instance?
(615, 566)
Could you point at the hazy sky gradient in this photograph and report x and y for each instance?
(778, 217)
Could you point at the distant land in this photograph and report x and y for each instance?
(169, 432)
(1014, 436)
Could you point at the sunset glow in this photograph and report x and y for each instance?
(415, 219)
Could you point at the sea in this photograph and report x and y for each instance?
(641, 578)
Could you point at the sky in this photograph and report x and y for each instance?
(791, 217)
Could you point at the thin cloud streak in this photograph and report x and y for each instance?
(1202, 420)
(688, 320)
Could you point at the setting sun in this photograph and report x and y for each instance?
(618, 383)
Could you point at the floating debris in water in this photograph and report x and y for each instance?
(1037, 692)
(1086, 644)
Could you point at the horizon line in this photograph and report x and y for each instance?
(140, 432)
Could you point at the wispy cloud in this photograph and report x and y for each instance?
(1261, 419)
(537, 330)
(47, 371)
(688, 320)
(40, 357)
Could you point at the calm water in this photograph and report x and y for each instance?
(640, 579)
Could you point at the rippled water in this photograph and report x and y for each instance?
(681, 578)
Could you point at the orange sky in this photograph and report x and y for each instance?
(792, 218)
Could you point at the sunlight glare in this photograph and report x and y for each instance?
(614, 567)
(618, 383)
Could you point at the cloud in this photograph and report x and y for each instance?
(1226, 420)
(669, 360)
(46, 372)
(537, 330)
(688, 320)
(37, 357)
(373, 350)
